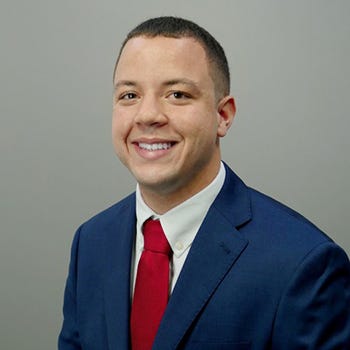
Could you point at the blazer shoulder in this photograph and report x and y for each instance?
(278, 218)
(125, 208)
(264, 219)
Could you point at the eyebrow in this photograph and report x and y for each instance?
(182, 81)
(124, 83)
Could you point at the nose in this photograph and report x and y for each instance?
(150, 112)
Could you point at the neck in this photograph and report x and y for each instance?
(162, 200)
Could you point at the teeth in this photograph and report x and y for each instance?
(154, 146)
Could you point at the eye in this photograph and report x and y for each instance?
(180, 95)
(128, 96)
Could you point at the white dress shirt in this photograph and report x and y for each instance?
(180, 224)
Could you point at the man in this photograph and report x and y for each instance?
(241, 270)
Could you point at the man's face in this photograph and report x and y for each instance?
(166, 119)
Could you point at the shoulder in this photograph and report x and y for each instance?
(122, 210)
(280, 236)
(273, 215)
(264, 218)
(270, 226)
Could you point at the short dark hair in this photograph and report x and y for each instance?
(176, 27)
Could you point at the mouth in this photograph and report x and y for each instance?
(157, 146)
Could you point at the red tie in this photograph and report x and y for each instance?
(151, 288)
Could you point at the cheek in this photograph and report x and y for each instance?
(118, 140)
(203, 126)
(118, 136)
(120, 127)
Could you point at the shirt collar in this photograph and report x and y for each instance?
(181, 223)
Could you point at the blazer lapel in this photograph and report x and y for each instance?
(218, 244)
(118, 256)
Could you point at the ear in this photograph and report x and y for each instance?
(226, 112)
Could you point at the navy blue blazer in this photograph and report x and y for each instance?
(258, 276)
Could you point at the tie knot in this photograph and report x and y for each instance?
(154, 237)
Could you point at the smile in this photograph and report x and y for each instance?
(155, 146)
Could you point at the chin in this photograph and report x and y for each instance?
(157, 184)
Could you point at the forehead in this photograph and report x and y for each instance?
(160, 55)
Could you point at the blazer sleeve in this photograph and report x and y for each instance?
(314, 311)
(69, 335)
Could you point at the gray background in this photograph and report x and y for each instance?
(290, 76)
